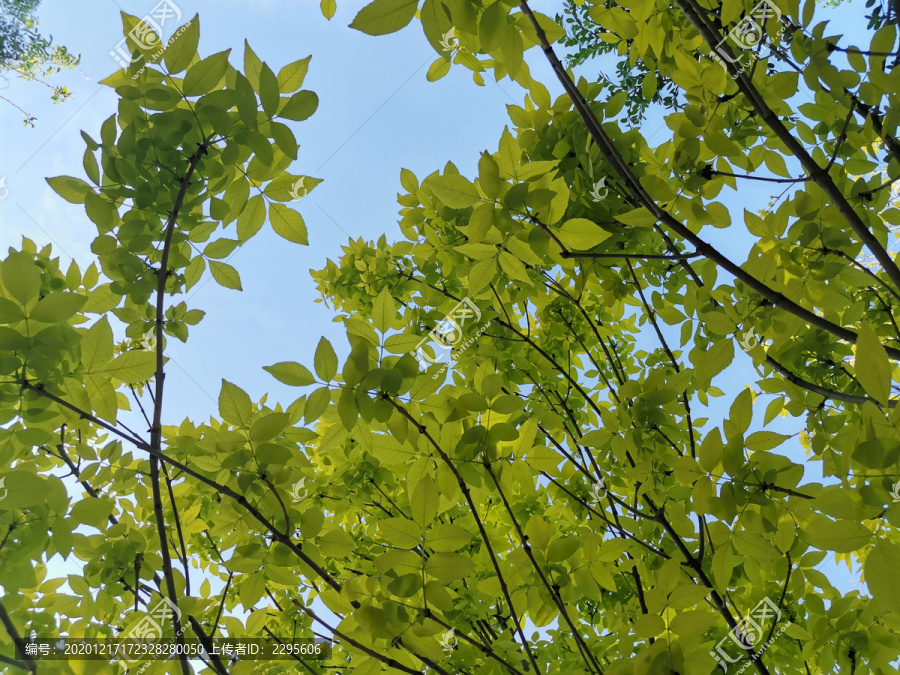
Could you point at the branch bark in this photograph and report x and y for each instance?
(617, 161)
(159, 382)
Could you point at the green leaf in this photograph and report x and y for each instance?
(225, 275)
(449, 566)
(649, 626)
(384, 16)
(481, 274)
(91, 167)
(401, 562)
(658, 189)
(723, 565)
(92, 511)
(300, 106)
(290, 78)
(132, 367)
(563, 549)
(402, 343)
(400, 532)
(251, 589)
(580, 234)
(709, 363)
(268, 90)
(328, 8)
(438, 69)
(513, 267)
(764, 440)
(97, 345)
(251, 218)
(288, 223)
(268, 427)
(73, 190)
(448, 537)
(637, 218)
(455, 191)
(10, 312)
(57, 307)
(194, 272)
(252, 66)
(101, 211)
(235, 406)
(316, 404)
(183, 47)
(873, 370)
(384, 310)
(325, 361)
(423, 503)
(220, 248)
(741, 412)
(205, 75)
(880, 569)
(842, 536)
(691, 624)
(291, 373)
(492, 26)
(20, 490)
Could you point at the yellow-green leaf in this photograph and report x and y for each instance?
(580, 234)
(384, 16)
(225, 275)
(183, 46)
(455, 191)
(288, 223)
(205, 75)
(873, 370)
(449, 566)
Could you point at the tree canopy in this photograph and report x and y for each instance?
(26, 52)
(519, 466)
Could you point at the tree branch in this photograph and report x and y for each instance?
(484, 536)
(820, 390)
(6, 620)
(817, 173)
(159, 382)
(617, 161)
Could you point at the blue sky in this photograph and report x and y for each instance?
(377, 114)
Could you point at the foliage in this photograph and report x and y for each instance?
(571, 472)
(24, 51)
(639, 80)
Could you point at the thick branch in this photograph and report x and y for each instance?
(821, 391)
(619, 164)
(159, 381)
(817, 173)
(40, 391)
(6, 620)
(484, 536)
